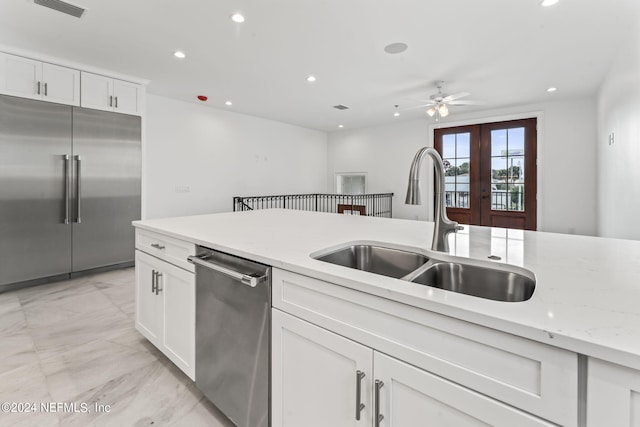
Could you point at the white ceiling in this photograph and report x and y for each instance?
(505, 52)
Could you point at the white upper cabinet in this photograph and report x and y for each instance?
(127, 97)
(104, 93)
(28, 78)
(97, 92)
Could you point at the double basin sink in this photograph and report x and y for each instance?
(487, 282)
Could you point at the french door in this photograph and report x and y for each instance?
(490, 173)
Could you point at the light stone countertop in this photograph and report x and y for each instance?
(587, 296)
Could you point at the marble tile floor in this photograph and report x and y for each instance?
(74, 343)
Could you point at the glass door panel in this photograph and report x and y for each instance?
(490, 173)
(508, 159)
(458, 153)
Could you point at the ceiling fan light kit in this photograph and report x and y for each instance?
(438, 104)
(439, 110)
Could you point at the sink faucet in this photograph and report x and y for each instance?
(443, 225)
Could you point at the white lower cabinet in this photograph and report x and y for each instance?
(412, 397)
(316, 375)
(165, 309)
(148, 305)
(613, 395)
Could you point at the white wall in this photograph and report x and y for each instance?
(218, 154)
(566, 160)
(619, 163)
(385, 154)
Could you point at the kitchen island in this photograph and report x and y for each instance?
(568, 355)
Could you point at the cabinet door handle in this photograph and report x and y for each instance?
(378, 415)
(45, 89)
(153, 281)
(38, 88)
(111, 101)
(359, 405)
(116, 102)
(157, 246)
(158, 288)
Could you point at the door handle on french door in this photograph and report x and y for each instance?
(78, 190)
(65, 157)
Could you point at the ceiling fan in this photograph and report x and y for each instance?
(438, 104)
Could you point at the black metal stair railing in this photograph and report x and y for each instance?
(379, 205)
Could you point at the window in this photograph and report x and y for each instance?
(457, 163)
(351, 183)
(507, 169)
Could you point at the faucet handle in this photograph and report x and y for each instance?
(459, 227)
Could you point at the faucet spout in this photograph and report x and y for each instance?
(443, 225)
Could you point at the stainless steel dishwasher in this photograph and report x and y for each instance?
(233, 329)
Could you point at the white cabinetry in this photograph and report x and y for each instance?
(104, 93)
(613, 395)
(165, 303)
(316, 375)
(493, 370)
(148, 305)
(28, 78)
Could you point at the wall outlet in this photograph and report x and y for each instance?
(182, 189)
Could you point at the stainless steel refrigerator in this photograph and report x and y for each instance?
(69, 189)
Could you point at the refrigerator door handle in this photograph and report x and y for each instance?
(67, 180)
(78, 189)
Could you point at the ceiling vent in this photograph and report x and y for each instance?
(340, 107)
(62, 6)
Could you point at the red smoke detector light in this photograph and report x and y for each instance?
(202, 98)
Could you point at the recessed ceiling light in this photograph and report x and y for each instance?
(396, 114)
(340, 126)
(228, 103)
(311, 79)
(179, 54)
(546, 3)
(237, 17)
(394, 48)
(552, 89)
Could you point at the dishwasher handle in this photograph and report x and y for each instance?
(245, 279)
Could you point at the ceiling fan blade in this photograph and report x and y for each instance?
(455, 96)
(469, 102)
(418, 106)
